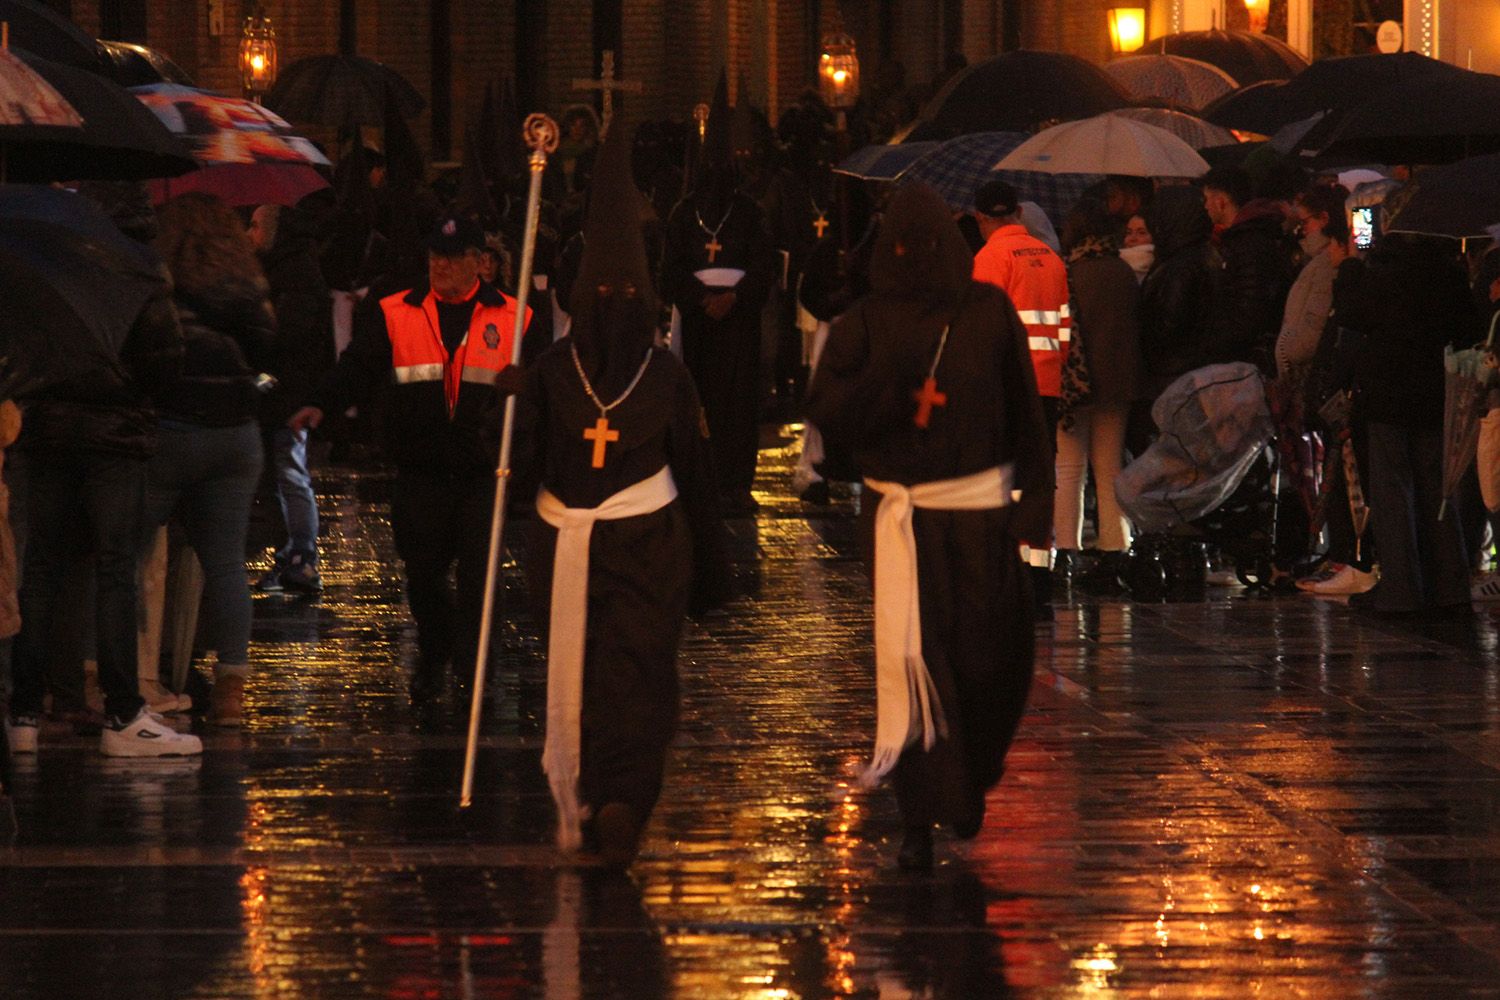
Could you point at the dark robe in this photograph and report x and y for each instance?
(975, 598)
(645, 572)
(723, 356)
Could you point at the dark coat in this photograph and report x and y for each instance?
(1255, 266)
(1408, 300)
(229, 339)
(1106, 315)
(304, 319)
(1176, 295)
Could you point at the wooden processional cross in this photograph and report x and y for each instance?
(602, 436)
(607, 85)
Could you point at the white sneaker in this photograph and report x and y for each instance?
(1347, 580)
(1486, 590)
(21, 732)
(146, 736)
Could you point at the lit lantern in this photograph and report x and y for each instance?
(258, 56)
(1127, 28)
(1260, 11)
(838, 72)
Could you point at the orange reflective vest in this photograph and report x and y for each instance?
(417, 351)
(1036, 280)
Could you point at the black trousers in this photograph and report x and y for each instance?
(441, 524)
(81, 503)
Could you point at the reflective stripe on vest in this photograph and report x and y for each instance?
(418, 373)
(418, 354)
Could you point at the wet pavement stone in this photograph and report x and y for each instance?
(1244, 797)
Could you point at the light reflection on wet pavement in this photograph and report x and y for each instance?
(1246, 797)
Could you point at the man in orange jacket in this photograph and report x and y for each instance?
(435, 351)
(1036, 280)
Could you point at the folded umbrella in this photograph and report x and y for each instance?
(1107, 144)
(1466, 387)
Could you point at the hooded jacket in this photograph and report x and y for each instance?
(1178, 290)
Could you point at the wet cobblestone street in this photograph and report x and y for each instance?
(1243, 797)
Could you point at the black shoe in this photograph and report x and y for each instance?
(617, 833)
(1103, 578)
(301, 577)
(916, 850)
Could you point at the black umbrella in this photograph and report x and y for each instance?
(342, 90)
(1459, 200)
(37, 28)
(132, 65)
(1437, 118)
(72, 284)
(1248, 56)
(1017, 92)
(1328, 85)
(120, 139)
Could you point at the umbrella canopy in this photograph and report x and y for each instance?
(1189, 128)
(1337, 84)
(1248, 56)
(1016, 92)
(119, 140)
(956, 169)
(41, 30)
(76, 279)
(1108, 144)
(27, 99)
(342, 90)
(132, 65)
(1252, 108)
(1437, 118)
(1459, 200)
(883, 163)
(241, 184)
(221, 129)
(1175, 80)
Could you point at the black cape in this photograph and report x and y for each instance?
(645, 572)
(723, 356)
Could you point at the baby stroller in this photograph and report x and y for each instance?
(1208, 480)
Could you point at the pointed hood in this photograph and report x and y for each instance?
(487, 135)
(405, 168)
(613, 331)
(934, 265)
(742, 126)
(513, 156)
(474, 200)
(718, 141)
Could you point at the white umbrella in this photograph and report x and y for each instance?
(1189, 128)
(27, 99)
(1106, 144)
(1178, 80)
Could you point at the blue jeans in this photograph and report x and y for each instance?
(206, 477)
(294, 490)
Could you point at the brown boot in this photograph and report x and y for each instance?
(226, 703)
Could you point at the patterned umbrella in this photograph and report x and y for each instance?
(957, 168)
(27, 99)
(882, 162)
(1107, 144)
(1189, 128)
(219, 129)
(1177, 80)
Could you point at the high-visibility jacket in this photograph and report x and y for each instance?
(438, 410)
(1036, 280)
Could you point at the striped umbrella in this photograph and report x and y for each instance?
(957, 168)
(27, 99)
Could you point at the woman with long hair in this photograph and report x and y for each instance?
(208, 463)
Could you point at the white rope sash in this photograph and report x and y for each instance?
(565, 644)
(906, 703)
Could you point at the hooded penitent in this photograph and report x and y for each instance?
(920, 256)
(613, 305)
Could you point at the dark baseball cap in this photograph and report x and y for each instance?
(996, 199)
(453, 235)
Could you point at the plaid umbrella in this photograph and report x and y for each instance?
(957, 168)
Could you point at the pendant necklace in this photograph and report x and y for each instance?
(600, 434)
(713, 246)
(928, 396)
(820, 224)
